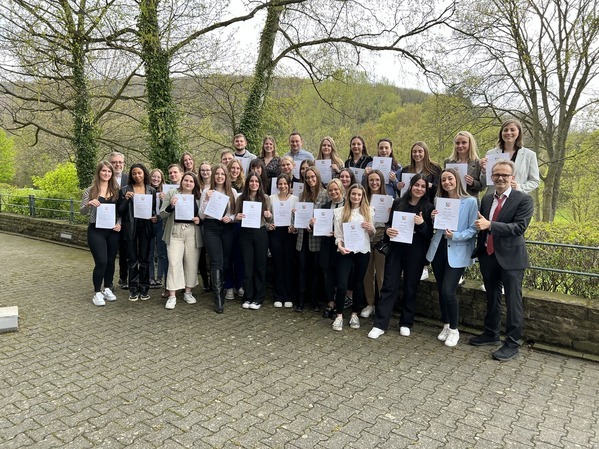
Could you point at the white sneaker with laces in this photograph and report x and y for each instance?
(108, 295)
(98, 299)
(338, 323)
(189, 298)
(278, 304)
(375, 333)
(171, 302)
(443, 335)
(255, 306)
(452, 338)
(288, 304)
(354, 322)
(245, 305)
(424, 274)
(404, 331)
(230, 294)
(367, 311)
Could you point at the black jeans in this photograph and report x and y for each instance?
(344, 265)
(254, 247)
(218, 239)
(282, 249)
(104, 246)
(138, 259)
(409, 260)
(309, 272)
(448, 279)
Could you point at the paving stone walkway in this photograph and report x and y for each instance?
(136, 375)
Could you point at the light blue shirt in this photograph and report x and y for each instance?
(301, 155)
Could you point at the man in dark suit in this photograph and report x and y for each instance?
(118, 163)
(501, 251)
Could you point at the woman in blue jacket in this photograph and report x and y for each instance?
(450, 253)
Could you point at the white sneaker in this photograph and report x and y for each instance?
(367, 311)
(230, 294)
(375, 333)
(452, 338)
(98, 299)
(108, 295)
(444, 333)
(338, 324)
(171, 302)
(404, 331)
(482, 287)
(354, 322)
(278, 304)
(424, 274)
(189, 298)
(240, 292)
(461, 281)
(288, 304)
(255, 306)
(245, 305)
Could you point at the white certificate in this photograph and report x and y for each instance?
(217, 205)
(296, 170)
(167, 187)
(382, 207)
(184, 207)
(384, 165)
(358, 173)
(323, 222)
(282, 213)
(253, 214)
(106, 216)
(298, 188)
(462, 170)
(354, 237)
(491, 160)
(406, 178)
(324, 167)
(404, 223)
(273, 186)
(303, 214)
(158, 203)
(142, 205)
(448, 213)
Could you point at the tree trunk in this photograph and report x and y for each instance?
(165, 144)
(251, 121)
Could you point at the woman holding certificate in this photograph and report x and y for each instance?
(217, 211)
(409, 232)
(353, 227)
(99, 202)
(282, 242)
(420, 162)
(180, 210)
(137, 207)
(385, 150)
(465, 154)
(268, 155)
(375, 185)
(328, 150)
(451, 248)
(235, 275)
(204, 174)
(253, 211)
(157, 245)
(308, 245)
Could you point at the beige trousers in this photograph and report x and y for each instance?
(183, 257)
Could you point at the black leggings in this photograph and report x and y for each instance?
(104, 246)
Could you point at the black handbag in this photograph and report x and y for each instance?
(383, 247)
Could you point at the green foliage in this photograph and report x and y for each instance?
(7, 158)
(45, 204)
(561, 258)
(62, 182)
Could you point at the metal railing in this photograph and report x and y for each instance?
(40, 207)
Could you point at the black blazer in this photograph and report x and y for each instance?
(508, 230)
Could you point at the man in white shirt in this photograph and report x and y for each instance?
(295, 148)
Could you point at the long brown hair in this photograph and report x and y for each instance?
(310, 194)
(196, 187)
(113, 188)
(382, 189)
(240, 182)
(430, 168)
(335, 159)
(442, 193)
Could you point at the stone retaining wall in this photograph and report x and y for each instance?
(551, 318)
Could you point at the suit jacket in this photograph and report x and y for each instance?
(460, 247)
(508, 230)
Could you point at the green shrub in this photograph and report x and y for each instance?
(62, 182)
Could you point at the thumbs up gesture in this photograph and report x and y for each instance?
(482, 223)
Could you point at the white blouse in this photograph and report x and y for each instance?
(355, 217)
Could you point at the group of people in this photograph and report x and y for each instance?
(334, 239)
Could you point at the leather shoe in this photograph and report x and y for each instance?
(484, 340)
(506, 353)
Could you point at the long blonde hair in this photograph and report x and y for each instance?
(472, 150)
(240, 182)
(364, 204)
(335, 159)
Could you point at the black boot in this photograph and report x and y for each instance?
(217, 285)
(207, 285)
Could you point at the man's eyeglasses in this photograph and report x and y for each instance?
(501, 175)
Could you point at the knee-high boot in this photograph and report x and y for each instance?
(217, 285)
